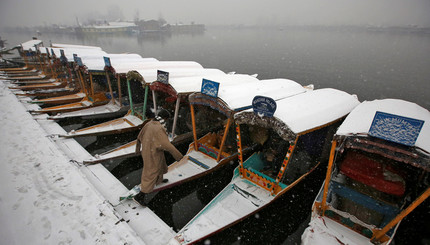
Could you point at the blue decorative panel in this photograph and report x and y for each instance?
(79, 61)
(210, 88)
(163, 77)
(63, 58)
(402, 130)
(264, 106)
(107, 61)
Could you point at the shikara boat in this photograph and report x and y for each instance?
(33, 82)
(218, 147)
(48, 85)
(175, 92)
(81, 68)
(62, 70)
(135, 117)
(98, 87)
(26, 73)
(24, 50)
(58, 100)
(48, 92)
(377, 174)
(292, 135)
(121, 104)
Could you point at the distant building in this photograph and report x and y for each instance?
(109, 27)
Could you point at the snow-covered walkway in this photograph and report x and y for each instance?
(44, 197)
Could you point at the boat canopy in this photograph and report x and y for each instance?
(27, 46)
(97, 63)
(355, 132)
(304, 112)
(236, 97)
(360, 120)
(178, 77)
(61, 45)
(122, 68)
(69, 52)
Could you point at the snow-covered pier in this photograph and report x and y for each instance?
(48, 197)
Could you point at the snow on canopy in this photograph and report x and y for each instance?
(239, 97)
(235, 97)
(306, 111)
(183, 85)
(96, 62)
(27, 46)
(150, 75)
(360, 119)
(68, 52)
(123, 68)
(60, 45)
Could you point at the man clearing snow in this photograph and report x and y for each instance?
(154, 141)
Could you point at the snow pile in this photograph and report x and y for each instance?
(44, 198)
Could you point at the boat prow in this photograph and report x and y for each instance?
(84, 104)
(234, 203)
(125, 150)
(120, 125)
(323, 230)
(71, 98)
(193, 165)
(51, 85)
(108, 110)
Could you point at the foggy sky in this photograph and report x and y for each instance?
(230, 12)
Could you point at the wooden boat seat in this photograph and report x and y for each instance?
(351, 201)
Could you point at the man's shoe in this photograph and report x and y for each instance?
(140, 198)
(165, 180)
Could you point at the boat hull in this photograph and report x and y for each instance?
(125, 124)
(40, 86)
(65, 99)
(233, 204)
(109, 110)
(69, 107)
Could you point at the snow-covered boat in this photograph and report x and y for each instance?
(136, 117)
(292, 135)
(31, 82)
(377, 174)
(119, 70)
(214, 113)
(27, 78)
(58, 100)
(48, 92)
(173, 96)
(81, 69)
(49, 85)
(98, 87)
(24, 50)
(26, 73)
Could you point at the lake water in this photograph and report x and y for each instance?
(374, 64)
